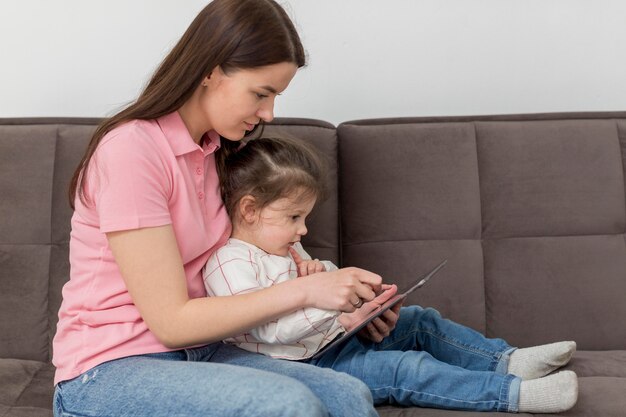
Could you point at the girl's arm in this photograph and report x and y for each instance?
(152, 269)
(234, 270)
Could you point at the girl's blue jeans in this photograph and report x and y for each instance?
(206, 382)
(429, 361)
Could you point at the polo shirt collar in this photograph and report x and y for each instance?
(180, 140)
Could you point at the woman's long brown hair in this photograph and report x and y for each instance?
(232, 34)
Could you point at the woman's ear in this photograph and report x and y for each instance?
(213, 77)
(248, 210)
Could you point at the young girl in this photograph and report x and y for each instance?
(270, 187)
(137, 335)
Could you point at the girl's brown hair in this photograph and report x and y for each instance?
(232, 34)
(272, 168)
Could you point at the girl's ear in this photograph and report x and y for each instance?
(248, 209)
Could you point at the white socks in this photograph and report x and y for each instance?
(551, 394)
(540, 393)
(538, 361)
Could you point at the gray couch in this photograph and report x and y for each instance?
(530, 210)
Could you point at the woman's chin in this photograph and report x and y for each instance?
(233, 137)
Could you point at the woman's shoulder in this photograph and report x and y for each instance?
(135, 143)
(143, 132)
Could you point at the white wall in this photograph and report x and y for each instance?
(367, 58)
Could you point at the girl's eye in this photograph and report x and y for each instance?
(296, 217)
(260, 96)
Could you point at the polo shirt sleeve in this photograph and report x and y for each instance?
(131, 182)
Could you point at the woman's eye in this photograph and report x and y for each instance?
(259, 95)
(296, 217)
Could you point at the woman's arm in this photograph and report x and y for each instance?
(152, 269)
(235, 270)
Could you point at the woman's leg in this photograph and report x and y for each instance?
(169, 384)
(341, 394)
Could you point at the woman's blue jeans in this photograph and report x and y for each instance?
(429, 361)
(205, 382)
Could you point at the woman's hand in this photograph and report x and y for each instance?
(343, 290)
(306, 266)
(381, 326)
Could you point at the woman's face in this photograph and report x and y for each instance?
(234, 103)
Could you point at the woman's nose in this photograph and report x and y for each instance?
(266, 112)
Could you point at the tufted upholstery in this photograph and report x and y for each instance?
(530, 210)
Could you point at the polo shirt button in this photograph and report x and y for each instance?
(201, 195)
(199, 171)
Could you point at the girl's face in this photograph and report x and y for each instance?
(280, 224)
(233, 104)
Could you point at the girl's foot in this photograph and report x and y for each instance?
(551, 394)
(538, 361)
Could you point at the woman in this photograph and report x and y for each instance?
(136, 334)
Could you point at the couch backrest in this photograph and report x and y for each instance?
(530, 211)
(37, 160)
(37, 157)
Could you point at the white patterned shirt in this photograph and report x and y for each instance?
(240, 267)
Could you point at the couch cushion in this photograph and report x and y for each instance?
(550, 178)
(554, 213)
(606, 363)
(529, 210)
(26, 387)
(546, 289)
(24, 301)
(409, 198)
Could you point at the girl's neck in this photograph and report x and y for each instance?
(242, 234)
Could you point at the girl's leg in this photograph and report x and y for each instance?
(341, 394)
(432, 362)
(169, 385)
(416, 378)
(447, 341)
(453, 343)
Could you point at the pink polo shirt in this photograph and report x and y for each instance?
(145, 173)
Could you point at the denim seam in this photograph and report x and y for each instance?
(504, 393)
(513, 396)
(496, 402)
(502, 366)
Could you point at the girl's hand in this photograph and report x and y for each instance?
(380, 327)
(306, 267)
(343, 290)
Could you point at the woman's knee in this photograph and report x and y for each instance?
(353, 389)
(285, 397)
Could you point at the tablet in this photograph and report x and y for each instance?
(380, 310)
